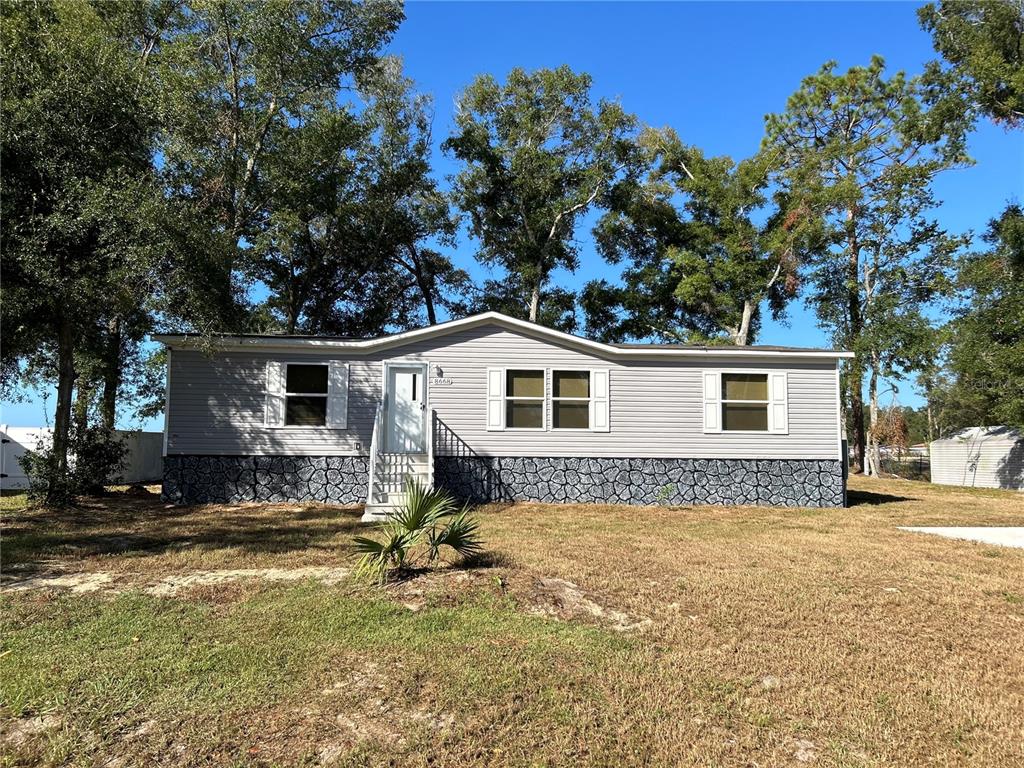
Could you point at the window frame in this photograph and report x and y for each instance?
(325, 395)
(767, 402)
(589, 400)
(543, 400)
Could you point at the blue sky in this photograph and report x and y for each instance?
(710, 70)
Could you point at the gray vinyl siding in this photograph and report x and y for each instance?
(217, 404)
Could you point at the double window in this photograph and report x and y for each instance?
(539, 399)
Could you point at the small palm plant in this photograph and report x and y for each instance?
(428, 517)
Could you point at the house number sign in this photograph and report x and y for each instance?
(441, 381)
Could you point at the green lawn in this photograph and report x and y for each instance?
(597, 636)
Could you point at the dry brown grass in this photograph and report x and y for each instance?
(776, 637)
(877, 646)
(138, 533)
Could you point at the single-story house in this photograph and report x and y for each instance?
(980, 457)
(495, 408)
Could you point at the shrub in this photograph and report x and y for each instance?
(428, 520)
(96, 456)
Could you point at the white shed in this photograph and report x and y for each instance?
(980, 457)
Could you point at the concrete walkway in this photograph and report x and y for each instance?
(1004, 537)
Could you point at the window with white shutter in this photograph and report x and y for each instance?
(307, 394)
(548, 399)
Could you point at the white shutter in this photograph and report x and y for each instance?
(495, 399)
(778, 403)
(600, 395)
(548, 406)
(712, 401)
(275, 405)
(337, 395)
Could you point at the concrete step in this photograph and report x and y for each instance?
(376, 512)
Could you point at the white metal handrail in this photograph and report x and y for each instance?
(374, 439)
(431, 415)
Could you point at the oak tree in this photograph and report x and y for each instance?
(538, 154)
(706, 248)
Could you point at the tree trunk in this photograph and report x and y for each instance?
(80, 407)
(874, 463)
(428, 298)
(855, 378)
(928, 411)
(111, 375)
(535, 301)
(62, 418)
(424, 284)
(742, 334)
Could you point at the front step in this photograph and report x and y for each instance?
(378, 513)
(391, 474)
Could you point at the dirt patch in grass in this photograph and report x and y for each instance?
(16, 731)
(116, 582)
(534, 594)
(565, 601)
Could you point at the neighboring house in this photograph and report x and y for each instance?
(494, 408)
(982, 457)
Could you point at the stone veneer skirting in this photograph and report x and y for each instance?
(343, 480)
(226, 479)
(775, 482)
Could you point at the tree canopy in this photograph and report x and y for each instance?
(537, 155)
(704, 250)
(983, 43)
(858, 152)
(986, 336)
(237, 80)
(80, 206)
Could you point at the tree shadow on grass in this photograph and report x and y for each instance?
(133, 526)
(870, 498)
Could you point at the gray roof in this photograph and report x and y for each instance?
(704, 347)
(985, 434)
(623, 350)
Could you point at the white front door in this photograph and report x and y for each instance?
(406, 410)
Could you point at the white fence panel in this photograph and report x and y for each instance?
(143, 460)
